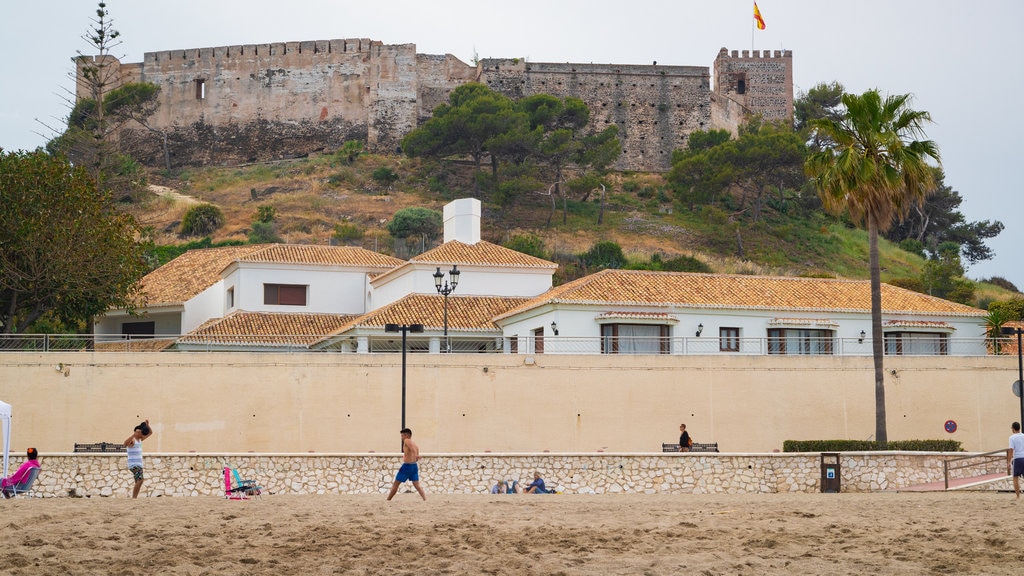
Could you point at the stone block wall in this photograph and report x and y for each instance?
(236, 104)
(105, 475)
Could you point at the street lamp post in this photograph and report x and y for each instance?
(444, 289)
(1019, 385)
(404, 329)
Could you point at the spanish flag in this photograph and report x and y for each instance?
(757, 17)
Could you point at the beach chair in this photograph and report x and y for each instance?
(24, 487)
(240, 489)
(248, 486)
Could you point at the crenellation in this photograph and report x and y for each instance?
(232, 104)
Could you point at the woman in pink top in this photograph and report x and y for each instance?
(32, 461)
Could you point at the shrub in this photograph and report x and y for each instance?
(527, 244)
(201, 220)
(345, 232)
(685, 264)
(604, 255)
(263, 233)
(265, 214)
(870, 446)
(384, 176)
(415, 221)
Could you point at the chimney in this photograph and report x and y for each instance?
(462, 221)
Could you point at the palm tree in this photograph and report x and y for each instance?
(871, 165)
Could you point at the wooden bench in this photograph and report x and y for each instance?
(100, 447)
(713, 447)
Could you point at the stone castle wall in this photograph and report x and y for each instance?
(91, 475)
(237, 104)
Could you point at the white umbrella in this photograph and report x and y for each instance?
(5, 416)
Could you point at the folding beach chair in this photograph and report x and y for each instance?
(241, 489)
(24, 487)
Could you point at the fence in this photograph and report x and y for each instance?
(430, 343)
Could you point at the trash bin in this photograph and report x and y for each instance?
(830, 472)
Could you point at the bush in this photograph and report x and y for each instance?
(604, 255)
(201, 220)
(384, 176)
(527, 244)
(347, 232)
(263, 233)
(416, 221)
(870, 446)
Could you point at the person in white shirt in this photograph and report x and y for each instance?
(134, 445)
(1015, 457)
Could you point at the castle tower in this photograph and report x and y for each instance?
(758, 83)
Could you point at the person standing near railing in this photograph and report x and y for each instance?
(1015, 457)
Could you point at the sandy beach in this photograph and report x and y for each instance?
(884, 533)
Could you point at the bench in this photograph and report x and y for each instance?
(100, 447)
(713, 447)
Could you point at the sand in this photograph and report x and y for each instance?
(884, 533)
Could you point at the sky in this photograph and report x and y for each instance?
(958, 59)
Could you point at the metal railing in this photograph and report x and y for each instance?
(432, 343)
(990, 462)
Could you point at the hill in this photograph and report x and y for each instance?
(310, 197)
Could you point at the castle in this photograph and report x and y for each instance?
(237, 104)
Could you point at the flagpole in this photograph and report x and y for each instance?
(753, 24)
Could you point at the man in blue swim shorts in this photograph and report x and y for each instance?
(410, 470)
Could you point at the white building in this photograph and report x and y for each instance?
(343, 298)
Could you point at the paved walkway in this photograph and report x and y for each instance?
(954, 484)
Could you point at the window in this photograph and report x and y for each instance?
(538, 341)
(513, 344)
(799, 341)
(728, 339)
(139, 329)
(284, 294)
(231, 298)
(200, 89)
(916, 344)
(634, 339)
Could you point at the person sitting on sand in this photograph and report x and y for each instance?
(537, 486)
(507, 487)
(31, 461)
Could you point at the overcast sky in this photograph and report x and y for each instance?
(957, 58)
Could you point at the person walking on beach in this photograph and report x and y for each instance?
(134, 445)
(1015, 457)
(410, 469)
(684, 439)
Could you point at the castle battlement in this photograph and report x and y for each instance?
(243, 103)
(341, 46)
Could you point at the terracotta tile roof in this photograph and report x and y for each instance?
(802, 322)
(136, 345)
(481, 254)
(267, 328)
(916, 324)
(660, 316)
(691, 290)
(465, 313)
(323, 255)
(188, 274)
(196, 270)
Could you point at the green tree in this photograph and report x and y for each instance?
(939, 220)
(872, 167)
(416, 221)
(65, 252)
(95, 136)
(822, 101)
(605, 254)
(462, 126)
(943, 275)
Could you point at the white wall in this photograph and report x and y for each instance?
(330, 290)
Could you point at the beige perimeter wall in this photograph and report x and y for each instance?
(335, 403)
